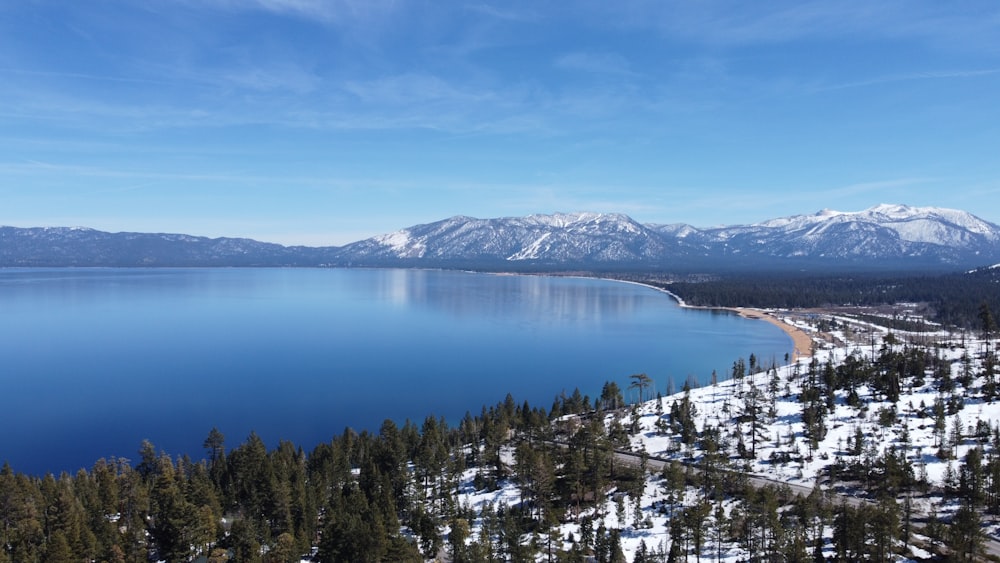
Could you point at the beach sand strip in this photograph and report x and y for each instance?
(800, 339)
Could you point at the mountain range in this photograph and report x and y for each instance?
(885, 236)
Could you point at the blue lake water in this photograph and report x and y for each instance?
(96, 360)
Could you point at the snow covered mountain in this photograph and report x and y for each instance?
(894, 235)
(76, 246)
(554, 239)
(885, 236)
(908, 444)
(881, 232)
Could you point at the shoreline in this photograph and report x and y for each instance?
(802, 343)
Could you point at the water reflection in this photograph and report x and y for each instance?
(97, 360)
(533, 299)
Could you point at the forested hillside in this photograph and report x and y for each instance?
(881, 446)
(949, 299)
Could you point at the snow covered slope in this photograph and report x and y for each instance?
(883, 231)
(913, 443)
(887, 236)
(559, 238)
(916, 236)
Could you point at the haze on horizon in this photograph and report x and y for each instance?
(324, 122)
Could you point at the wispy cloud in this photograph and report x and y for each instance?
(887, 79)
(122, 189)
(271, 78)
(597, 63)
(740, 24)
(879, 186)
(757, 205)
(68, 112)
(505, 13)
(260, 76)
(149, 177)
(415, 88)
(325, 11)
(83, 76)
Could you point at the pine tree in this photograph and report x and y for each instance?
(21, 532)
(988, 324)
(965, 536)
(174, 519)
(215, 445)
(243, 542)
(694, 518)
(641, 382)
(460, 532)
(283, 550)
(611, 397)
(753, 413)
(58, 549)
(884, 526)
(426, 527)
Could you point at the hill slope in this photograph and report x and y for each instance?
(60, 246)
(895, 432)
(888, 235)
(883, 237)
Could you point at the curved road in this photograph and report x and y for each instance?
(989, 546)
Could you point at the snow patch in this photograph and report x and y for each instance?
(534, 250)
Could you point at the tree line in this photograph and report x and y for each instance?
(349, 499)
(952, 299)
(392, 495)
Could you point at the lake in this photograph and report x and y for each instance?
(96, 360)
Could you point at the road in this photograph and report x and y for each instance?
(989, 546)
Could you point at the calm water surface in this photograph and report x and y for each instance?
(95, 361)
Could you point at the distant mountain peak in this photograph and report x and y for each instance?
(885, 233)
(896, 209)
(567, 220)
(883, 236)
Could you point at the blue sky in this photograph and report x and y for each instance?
(323, 122)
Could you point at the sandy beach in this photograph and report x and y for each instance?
(802, 342)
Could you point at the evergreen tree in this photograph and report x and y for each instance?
(21, 533)
(752, 413)
(988, 324)
(641, 382)
(58, 549)
(965, 537)
(611, 397)
(460, 533)
(353, 532)
(173, 523)
(215, 445)
(884, 528)
(243, 542)
(283, 550)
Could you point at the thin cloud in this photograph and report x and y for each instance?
(83, 76)
(720, 205)
(941, 75)
(147, 178)
(322, 11)
(40, 164)
(728, 24)
(284, 77)
(503, 14)
(414, 88)
(596, 63)
(740, 24)
(123, 189)
(875, 186)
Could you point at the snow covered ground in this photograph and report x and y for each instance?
(782, 448)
